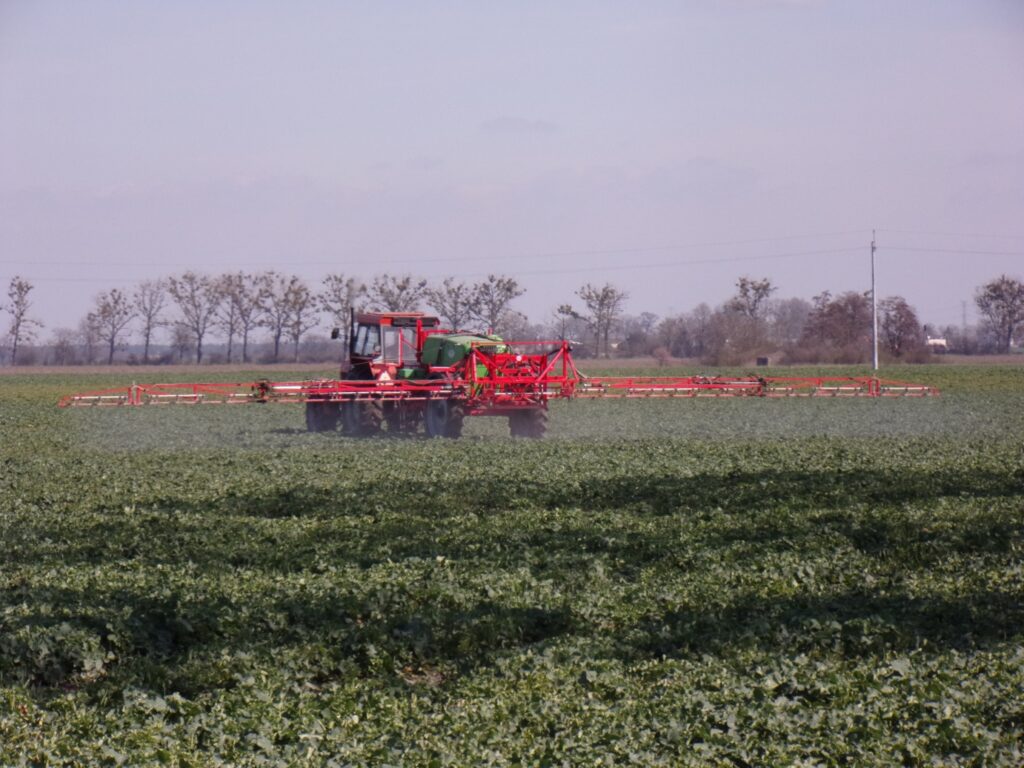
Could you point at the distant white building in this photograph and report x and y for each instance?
(939, 346)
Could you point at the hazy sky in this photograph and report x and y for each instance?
(666, 147)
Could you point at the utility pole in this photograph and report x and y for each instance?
(874, 308)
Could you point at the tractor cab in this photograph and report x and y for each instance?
(387, 344)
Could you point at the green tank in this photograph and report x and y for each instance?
(446, 350)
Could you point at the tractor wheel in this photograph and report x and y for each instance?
(532, 423)
(361, 418)
(443, 418)
(401, 418)
(322, 417)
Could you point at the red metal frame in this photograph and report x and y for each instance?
(493, 383)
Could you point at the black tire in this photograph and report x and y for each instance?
(361, 418)
(443, 418)
(322, 417)
(531, 423)
(401, 418)
(373, 416)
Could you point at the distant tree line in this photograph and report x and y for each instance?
(827, 329)
(278, 313)
(194, 310)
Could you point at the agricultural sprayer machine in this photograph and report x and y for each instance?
(403, 370)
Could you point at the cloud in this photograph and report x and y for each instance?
(519, 126)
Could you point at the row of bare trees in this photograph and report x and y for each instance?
(235, 306)
(834, 329)
(829, 328)
(753, 323)
(750, 323)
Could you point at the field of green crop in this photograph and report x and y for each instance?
(715, 582)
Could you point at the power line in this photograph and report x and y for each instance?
(581, 269)
(692, 245)
(438, 259)
(963, 251)
(549, 255)
(669, 264)
(950, 234)
(555, 254)
(556, 270)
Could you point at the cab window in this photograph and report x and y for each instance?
(392, 340)
(399, 344)
(408, 345)
(367, 342)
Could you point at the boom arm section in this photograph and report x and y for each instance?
(262, 391)
(492, 382)
(750, 386)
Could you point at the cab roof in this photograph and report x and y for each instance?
(398, 319)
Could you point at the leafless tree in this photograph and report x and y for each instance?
(750, 297)
(638, 333)
(491, 299)
(198, 298)
(388, 293)
(604, 305)
(673, 337)
(181, 340)
(22, 327)
(455, 302)
(1001, 303)
(62, 344)
(303, 311)
(738, 327)
(227, 317)
(246, 294)
(566, 318)
(89, 335)
(289, 309)
(515, 326)
(149, 300)
(731, 337)
(838, 329)
(898, 326)
(339, 297)
(698, 328)
(112, 314)
(787, 318)
(843, 320)
(276, 312)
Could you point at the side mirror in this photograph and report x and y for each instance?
(335, 333)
